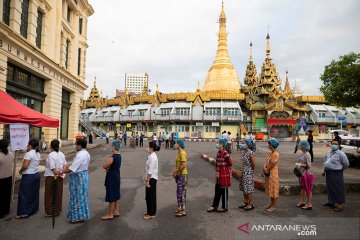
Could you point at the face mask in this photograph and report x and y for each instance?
(217, 146)
(334, 147)
(242, 146)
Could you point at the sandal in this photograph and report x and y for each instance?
(180, 214)
(107, 217)
(21, 216)
(249, 207)
(270, 209)
(212, 209)
(244, 205)
(148, 217)
(222, 210)
(300, 205)
(338, 208)
(307, 208)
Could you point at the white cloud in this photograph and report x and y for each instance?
(175, 40)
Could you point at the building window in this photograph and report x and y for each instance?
(67, 53)
(183, 111)
(80, 25)
(24, 78)
(231, 112)
(39, 29)
(79, 61)
(65, 108)
(165, 112)
(6, 11)
(212, 111)
(24, 18)
(68, 16)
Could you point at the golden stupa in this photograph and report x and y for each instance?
(222, 75)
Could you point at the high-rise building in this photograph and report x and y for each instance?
(43, 59)
(135, 82)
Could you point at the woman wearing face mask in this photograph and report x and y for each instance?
(151, 177)
(304, 163)
(334, 164)
(223, 178)
(247, 179)
(272, 175)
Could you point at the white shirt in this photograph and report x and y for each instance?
(81, 161)
(34, 158)
(229, 138)
(155, 138)
(151, 166)
(54, 160)
(225, 135)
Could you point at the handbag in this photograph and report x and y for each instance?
(297, 172)
(239, 173)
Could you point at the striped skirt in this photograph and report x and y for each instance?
(28, 199)
(48, 197)
(79, 197)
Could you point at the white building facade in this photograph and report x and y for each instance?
(135, 82)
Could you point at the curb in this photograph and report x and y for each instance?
(288, 188)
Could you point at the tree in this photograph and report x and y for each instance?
(341, 81)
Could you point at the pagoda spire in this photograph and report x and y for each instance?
(268, 45)
(287, 89)
(222, 75)
(95, 81)
(251, 52)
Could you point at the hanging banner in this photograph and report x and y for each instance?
(301, 124)
(19, 136)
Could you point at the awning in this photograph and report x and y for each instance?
(281, 121)
(12, 111)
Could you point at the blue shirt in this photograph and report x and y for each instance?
(336, 160)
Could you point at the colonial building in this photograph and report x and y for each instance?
(43, 59)
(262, 106)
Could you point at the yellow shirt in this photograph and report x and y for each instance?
(181, 157)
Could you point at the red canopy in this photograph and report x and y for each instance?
(12, 111)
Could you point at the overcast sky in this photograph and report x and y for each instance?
(175, 41)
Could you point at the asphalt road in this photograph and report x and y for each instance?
(197, 225)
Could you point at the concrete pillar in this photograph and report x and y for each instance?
(52, 105)
(75, 99)
(15, 15)
(32, 22)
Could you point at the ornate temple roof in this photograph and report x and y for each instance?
(222, 75)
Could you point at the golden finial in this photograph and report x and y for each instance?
(251, 53)
(95, 81)
(198, 85)
(268, 44)
(157, 87)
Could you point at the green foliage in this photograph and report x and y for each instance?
(341, 81)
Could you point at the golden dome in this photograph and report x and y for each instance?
(222, 75)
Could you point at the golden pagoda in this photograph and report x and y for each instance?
(222, 75)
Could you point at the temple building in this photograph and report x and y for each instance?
(261, 106)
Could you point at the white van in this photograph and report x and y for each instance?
(350, 146)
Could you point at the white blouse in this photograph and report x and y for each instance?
(81, 161)
(54, 160)
(151, 166)
(34, 158)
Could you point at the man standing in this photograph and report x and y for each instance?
(310, 141)
(125, 137)
(337, 138)
(107, 137)
(115, 135)
(142, 139)
(297, 141)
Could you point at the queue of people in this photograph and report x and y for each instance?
(56, 168)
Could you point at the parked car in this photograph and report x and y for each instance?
(350, 146)
(342, 133)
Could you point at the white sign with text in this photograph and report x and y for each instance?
(19, 136)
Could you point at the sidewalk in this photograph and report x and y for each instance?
(289, 183)
(67, 150)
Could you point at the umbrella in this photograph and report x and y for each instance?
(307, 181)
(53, 209)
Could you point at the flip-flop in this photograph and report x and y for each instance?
(268, 210)
(107, 218)
(21, 216)
(118, 215)
(180, 214)
(148, 217)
